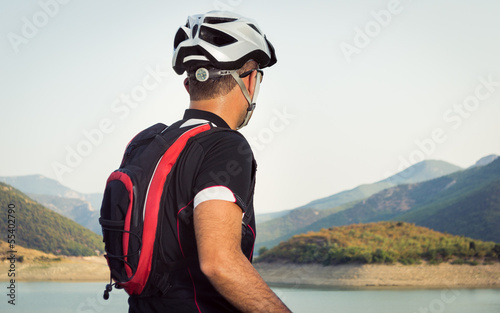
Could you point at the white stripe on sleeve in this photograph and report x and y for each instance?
(214, 193)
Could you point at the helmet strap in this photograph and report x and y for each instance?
(251, 100)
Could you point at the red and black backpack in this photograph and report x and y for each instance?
(131, 206)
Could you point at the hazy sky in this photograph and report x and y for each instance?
(361, 89)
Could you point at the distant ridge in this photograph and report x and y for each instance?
(486, 160)
(416, 173)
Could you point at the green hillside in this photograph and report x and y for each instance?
(75, 209)
(475, 213)
(42, 229)
(382, 242)
(81, 208)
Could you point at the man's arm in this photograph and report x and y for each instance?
(217, 226)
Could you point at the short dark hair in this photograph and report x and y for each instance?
(214, 87)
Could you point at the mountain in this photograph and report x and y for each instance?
(82, 208)
(464, 203)
(382, 242)
(419, 172)
(271, 232)
(38, 184)
(40, 228)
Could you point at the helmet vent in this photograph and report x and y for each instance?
(216, 37)
(255, 28)
(195, 29)
(179, 37)
(218, 20)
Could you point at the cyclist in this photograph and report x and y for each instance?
(223, 54)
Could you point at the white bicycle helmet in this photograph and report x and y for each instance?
(224, 40)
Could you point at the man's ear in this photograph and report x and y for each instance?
(252, 80)
(186, 84)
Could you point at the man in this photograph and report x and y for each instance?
(212, 184)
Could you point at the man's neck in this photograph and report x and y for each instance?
(221, 106)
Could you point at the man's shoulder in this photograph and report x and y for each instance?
(223, 138)
(226, 134)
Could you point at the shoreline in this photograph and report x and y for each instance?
(346, 276)
(67, 269)
(370, 276)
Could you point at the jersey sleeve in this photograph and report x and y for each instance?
(227, 171)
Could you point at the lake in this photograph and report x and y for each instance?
(47, 297)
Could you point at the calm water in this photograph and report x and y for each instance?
(87, 298)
